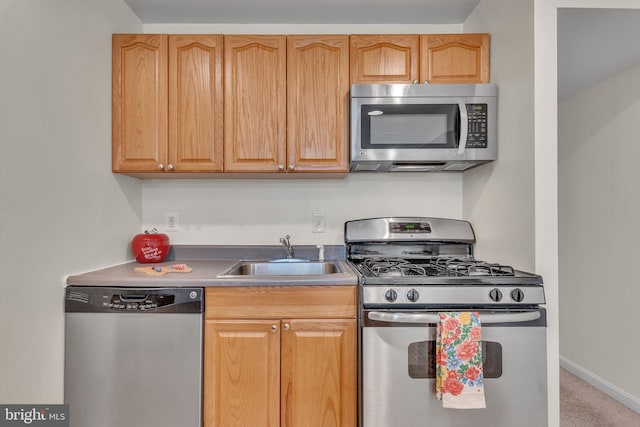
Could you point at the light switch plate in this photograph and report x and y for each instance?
(173, 221)
(318, 223)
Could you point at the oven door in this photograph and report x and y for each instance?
(398, 371)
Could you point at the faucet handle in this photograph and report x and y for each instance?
(285, 239)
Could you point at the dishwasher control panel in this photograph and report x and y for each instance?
(138, 300)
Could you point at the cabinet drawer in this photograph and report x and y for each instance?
(260, 302)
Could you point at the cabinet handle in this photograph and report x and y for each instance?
(280, 167)
(274, 328)
(160, 167)
(170, 167)
(292, 167)
(286, 326)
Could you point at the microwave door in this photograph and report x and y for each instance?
(408, 127)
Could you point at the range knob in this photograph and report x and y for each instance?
(391, 295)
(517, 295)
(495, 294)
(413, 295)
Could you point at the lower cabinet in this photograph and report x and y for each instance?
(280, 370)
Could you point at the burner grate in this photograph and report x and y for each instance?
(393, 267)
(436, 266)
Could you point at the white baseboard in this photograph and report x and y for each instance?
(628, 400)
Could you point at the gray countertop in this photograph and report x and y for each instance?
(206, 272)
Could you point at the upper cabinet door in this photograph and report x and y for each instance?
(139, 102)
(195, 103)
(317, 103)
(385, 58)
(454, 58)
(255, 109)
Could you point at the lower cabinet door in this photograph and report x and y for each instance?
(290, 373)
(242, 373)
(318, 373)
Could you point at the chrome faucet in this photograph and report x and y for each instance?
(287, 246)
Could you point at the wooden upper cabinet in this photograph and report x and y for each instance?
(255, 103)
(167, 103)
(139, 102)
(454, 58)
(317, 103)
(388, 58)
(196, 103)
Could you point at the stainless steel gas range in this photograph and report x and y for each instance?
(410, 270)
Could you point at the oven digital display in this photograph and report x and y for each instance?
(410, 227)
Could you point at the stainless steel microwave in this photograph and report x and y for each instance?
(422, 127)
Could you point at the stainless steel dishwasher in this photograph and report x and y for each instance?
(133, 356)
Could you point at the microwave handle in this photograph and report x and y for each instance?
(464, 126)
(394, 317)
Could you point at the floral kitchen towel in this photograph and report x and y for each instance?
(459, 376)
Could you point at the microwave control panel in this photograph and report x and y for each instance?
(477, 119)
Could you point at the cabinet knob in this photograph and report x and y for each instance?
(292, 167)
(274, 328)
(280, 167)
(287, 326)
(160, 167)
(170, 167)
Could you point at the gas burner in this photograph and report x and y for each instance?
(393, 267)
(470, 267)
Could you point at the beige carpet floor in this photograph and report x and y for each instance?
(582, 405)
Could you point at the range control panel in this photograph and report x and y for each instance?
(451, 295)
(410, 227)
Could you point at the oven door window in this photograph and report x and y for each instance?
(410, 126)
(422, 359)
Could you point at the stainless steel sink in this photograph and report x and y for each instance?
(265, 268)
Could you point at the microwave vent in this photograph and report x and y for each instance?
(367, 167)
(458, 166)
(413, 167)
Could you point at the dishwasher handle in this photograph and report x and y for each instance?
(488, 318)
(133, 298)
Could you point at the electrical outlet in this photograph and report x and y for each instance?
(318, 223)
(172, 221)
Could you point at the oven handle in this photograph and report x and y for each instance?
(464, 127)
(488, 318)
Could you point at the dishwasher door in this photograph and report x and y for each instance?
(133, 357)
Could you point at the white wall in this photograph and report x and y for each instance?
(598, 212)
(62, 209)
(498, 197)
(221, 28)
(228, 212)
(512, 201)
(260, 211)
(546, 166)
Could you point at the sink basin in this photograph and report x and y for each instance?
(302, 268)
